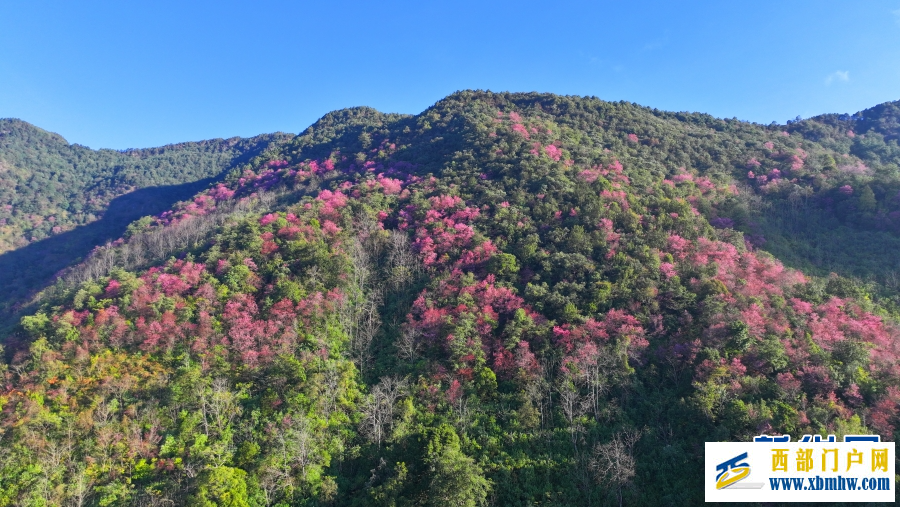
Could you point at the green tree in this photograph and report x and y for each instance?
(456, 480)
(221, 487)
(867, 200)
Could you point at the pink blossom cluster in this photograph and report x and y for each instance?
(331, 203)
(247, 337)
(520, 129)
(855, 168)
(614, 172)
(751, 285)
(485, 304)
(444, 231)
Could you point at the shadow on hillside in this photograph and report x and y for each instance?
(29, 269)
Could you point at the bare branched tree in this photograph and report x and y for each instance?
(573, 406)
(219, 406)
(403, 264)
(408, 345)
(595, 377)
(379, 409)
(613, 462)
(359, 313)
(290, 454)
(538, 392)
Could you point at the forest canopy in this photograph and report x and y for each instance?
(508, 299)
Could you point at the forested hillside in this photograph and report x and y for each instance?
(59, 200)
(508, 299)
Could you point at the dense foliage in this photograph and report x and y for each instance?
(509, 299)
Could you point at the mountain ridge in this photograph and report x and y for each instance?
(509, 299)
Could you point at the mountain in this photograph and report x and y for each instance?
(59, 200)
(508, 299)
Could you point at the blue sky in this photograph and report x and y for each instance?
(139, 74)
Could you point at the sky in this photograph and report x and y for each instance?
(139, 74)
